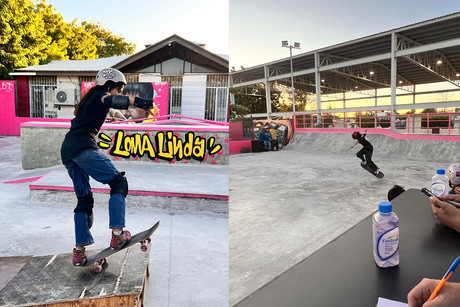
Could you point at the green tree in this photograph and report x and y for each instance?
(83, 44)
(23, 38)
(238, 111)
(109, 44)
(254, 103)
(58, 30)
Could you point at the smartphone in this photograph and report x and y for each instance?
(429, 193)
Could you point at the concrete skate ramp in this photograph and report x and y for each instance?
(387, 144)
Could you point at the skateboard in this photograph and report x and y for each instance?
(372, 170)
(100, 258)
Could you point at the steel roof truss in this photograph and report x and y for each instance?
(371, 72)
(432, 61)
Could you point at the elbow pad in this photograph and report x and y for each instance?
(145, 104)
(116, 102)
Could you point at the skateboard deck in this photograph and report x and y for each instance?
(372, 171)
(100, 258)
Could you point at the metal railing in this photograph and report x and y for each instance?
(417, 123)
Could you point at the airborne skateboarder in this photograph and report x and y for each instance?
(82, 158)
(365, 153)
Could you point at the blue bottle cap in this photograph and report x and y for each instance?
(441, 171)
(385, 207)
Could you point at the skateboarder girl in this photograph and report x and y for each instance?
(365, 153)
(82, 158)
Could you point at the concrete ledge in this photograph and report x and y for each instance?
(236, 146)
(173, 204)
(41, 143)
(57, 187)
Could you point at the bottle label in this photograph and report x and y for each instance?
(438, 188)
(388, 244)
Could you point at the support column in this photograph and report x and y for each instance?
(318, 88)
(394, 41)
(268, 97)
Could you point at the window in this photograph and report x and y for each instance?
(42, 91)
(216, 98)
(175, 93)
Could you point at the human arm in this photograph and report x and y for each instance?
(117, 101)
(445, 213)
(448, 296)
(123, 102)
(356, 143)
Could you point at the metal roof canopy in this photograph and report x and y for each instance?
(347, 66)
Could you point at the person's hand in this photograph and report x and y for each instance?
(445, 213)
(449, 296)
(453, 197)
(457, 189)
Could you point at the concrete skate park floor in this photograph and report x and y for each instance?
(286, 204)
(188, 255)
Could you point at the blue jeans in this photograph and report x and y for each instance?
(94, 163)
(267, 145)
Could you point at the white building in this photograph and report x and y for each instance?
(197, 80)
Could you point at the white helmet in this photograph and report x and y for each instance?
(109, 74)
(453, 172)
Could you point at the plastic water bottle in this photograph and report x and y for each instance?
(385, 231)
(440, 183)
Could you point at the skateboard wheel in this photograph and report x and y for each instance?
(149, 240)
(97, 268)
(144, 247)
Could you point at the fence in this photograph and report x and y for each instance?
(420, 123)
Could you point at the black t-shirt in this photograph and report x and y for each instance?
(366, 144)
(84, 127)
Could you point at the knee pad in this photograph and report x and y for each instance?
(85, 204)
(119, 185)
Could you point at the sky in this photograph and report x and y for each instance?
(250, 31)
(145, 22)
(257, 27)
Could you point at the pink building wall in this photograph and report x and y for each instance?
(11, 123)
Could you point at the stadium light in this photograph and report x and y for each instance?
(296, 46)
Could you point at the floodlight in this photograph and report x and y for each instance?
(284, 44)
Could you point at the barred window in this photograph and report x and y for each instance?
(216, 98)
(175, 93)
(42, 89)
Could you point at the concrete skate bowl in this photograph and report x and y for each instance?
(387, 144)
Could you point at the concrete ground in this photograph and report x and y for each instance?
(189, 251)
(286, 204)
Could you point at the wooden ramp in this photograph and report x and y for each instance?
(54, 281)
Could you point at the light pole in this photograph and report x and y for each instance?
(296, 46)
